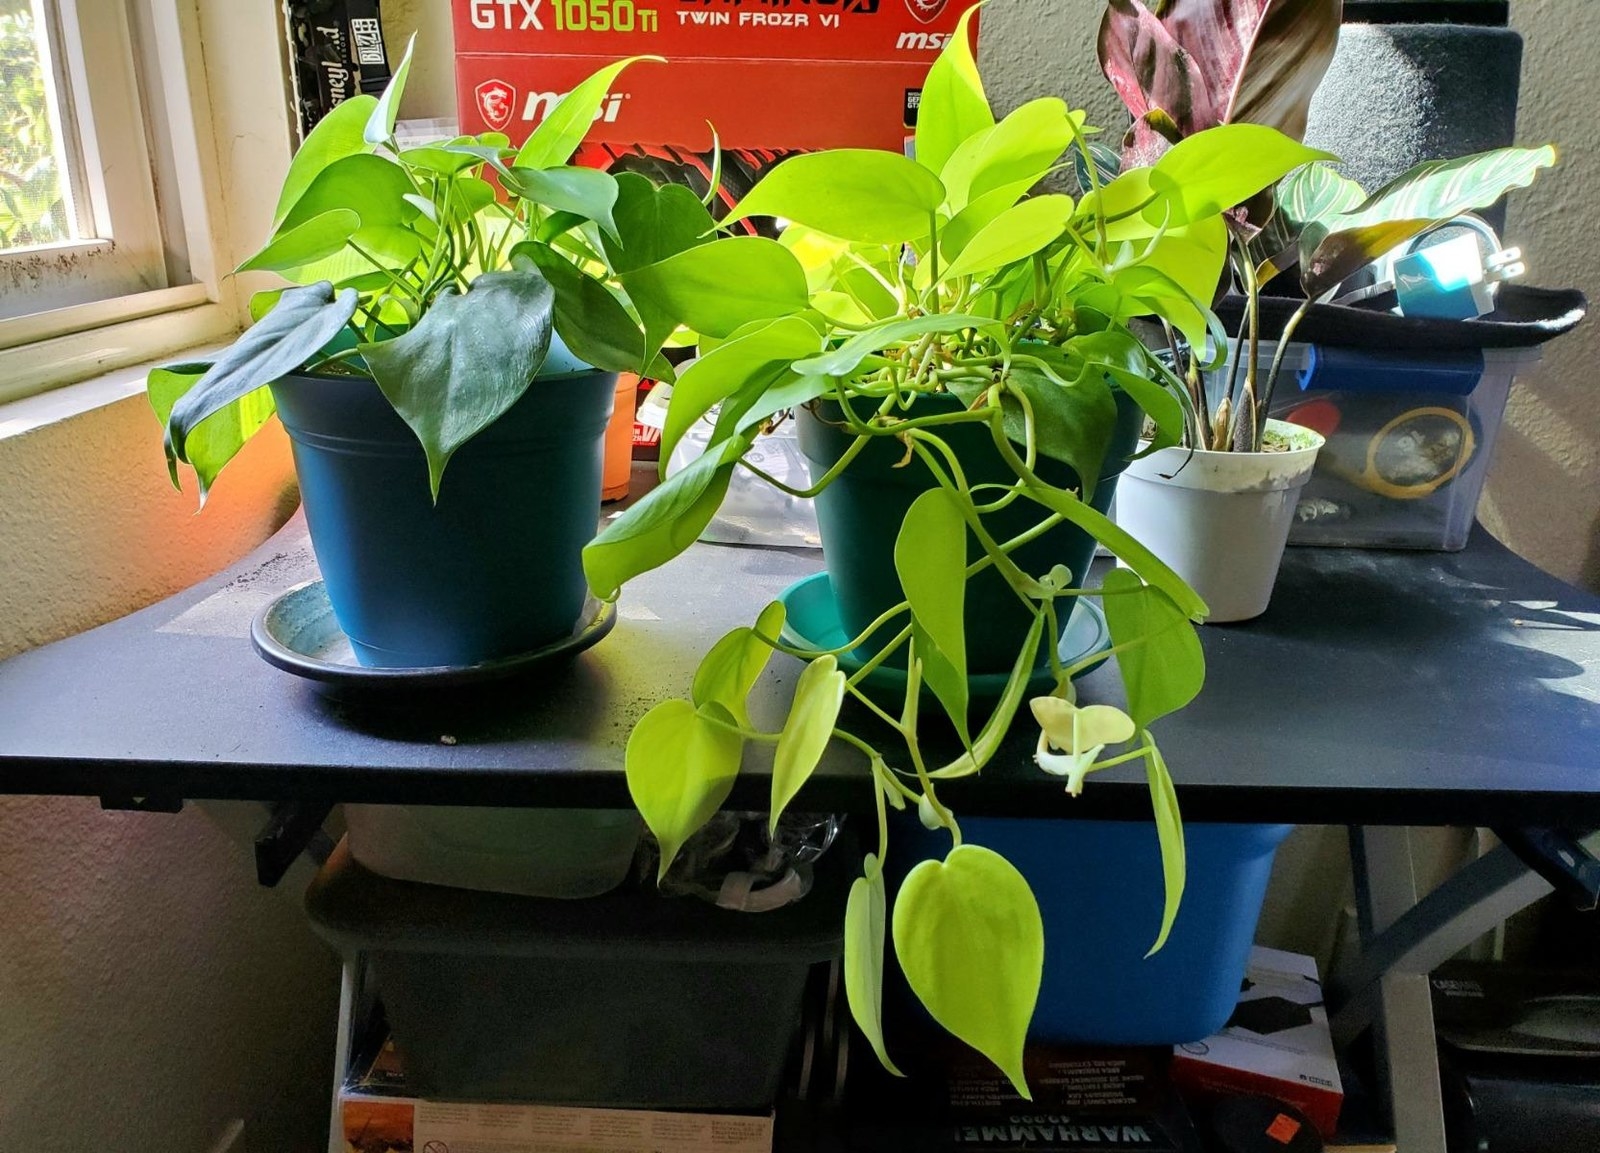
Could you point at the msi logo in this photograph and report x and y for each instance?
(497, 100)
(926, 11)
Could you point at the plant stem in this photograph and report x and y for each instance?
(1277, 366)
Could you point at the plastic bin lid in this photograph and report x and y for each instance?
(1523, 317)
(358, 910)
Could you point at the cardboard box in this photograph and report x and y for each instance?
(1276, 1044)
(377, 1116)
(1084, 1101)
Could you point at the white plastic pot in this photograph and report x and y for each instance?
(1220, 519)
(532, 852)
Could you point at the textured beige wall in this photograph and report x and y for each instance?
(151, 994)
(1543, 496)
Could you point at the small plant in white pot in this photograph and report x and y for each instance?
(1219, 508)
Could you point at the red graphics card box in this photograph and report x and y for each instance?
(772, 76)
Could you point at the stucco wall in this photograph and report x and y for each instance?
(151, 995)
(1544, 491)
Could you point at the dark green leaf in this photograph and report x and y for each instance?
(589, 318)
(1072, 424)
(654, 223)
(299, 325)
(469, 359)
(587, 192)
(215, 440)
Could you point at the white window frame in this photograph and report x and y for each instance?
(142, 103)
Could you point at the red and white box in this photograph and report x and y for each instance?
(770, 75)
(1276, 1044)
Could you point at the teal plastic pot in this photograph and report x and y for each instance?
(859, 516)
(495, 567)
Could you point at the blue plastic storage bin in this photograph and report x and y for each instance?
(1098, 884)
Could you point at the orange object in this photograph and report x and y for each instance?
(1283, 1128)
(619, 440)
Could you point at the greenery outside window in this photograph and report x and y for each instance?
(104, 224)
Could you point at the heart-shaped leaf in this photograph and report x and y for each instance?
(762, 355)
(953, 105)
(729, 671)
(1015, 154)
(970, 941)
(717, 288)
(560, 133)
(585, 192)
(301, 322)
(1018, 232)
(865, 930)
(468, 360)
(1219, 168)
(589, 318)
(806, 732)
(859, 194)
(930, 557)
(341, 133)
(667, 521)
(316, 239)
(1163, 667)
(680, 765)
(217, 439)
(380, 124)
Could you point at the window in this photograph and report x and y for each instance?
(104, 213)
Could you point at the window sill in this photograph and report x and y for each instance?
(57, 405)
(29, 370)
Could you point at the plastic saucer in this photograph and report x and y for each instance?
(297, 633)
(812, 622)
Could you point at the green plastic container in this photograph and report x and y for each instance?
(860, 514)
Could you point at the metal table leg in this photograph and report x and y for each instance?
(1408, 1063)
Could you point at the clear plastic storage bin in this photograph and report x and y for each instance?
(1409, 441)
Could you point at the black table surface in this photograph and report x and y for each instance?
(1380, 688)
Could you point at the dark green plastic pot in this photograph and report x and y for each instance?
(859, 515)
(494, 569)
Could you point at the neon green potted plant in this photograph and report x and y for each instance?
(936, 326)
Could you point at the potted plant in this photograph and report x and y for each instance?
(437, 323)
(958, 352)
(445, 365)
(1218, 508)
